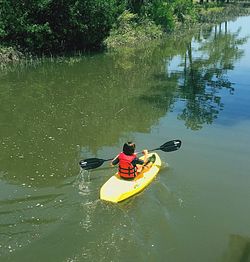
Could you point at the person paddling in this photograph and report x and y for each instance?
(129, 164)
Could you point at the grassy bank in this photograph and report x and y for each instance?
(131, 31)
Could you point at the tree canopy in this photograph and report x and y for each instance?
(53, 26)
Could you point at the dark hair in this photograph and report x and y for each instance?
(128, 148)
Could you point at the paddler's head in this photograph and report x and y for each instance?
(129, 148)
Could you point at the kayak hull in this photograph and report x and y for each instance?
(117, 189)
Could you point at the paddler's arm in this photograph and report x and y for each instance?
(145, 153)
(138, 161)
(115, 161)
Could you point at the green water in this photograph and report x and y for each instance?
(194, 87)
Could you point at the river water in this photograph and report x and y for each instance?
(194, 87)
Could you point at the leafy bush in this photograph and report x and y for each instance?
(9, 55)
(56, 25)
(161, 12)
(184, 10)
(131, 30)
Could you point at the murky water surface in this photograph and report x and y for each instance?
(194, 87)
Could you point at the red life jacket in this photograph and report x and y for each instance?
(126, 169)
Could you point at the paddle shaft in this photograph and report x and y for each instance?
(92, 163)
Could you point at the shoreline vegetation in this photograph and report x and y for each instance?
(132, 31)
(138, 22)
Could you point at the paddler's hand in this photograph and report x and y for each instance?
(145, 152)
(114, 161)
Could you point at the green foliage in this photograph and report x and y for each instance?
(168, 13)
(56, 25)
(126, 21)
(213, 13)
(184, 11)
(9, 55)
(135, 6)
(132, 30)
(161, 12)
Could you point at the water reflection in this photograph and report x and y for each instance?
(56, 112)
(198, 74)
(238, 249)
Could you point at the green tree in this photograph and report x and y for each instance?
(56, 25)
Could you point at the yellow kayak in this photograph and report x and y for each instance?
(117, 189)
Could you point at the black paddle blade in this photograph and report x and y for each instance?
(171, 145)
(91, 163)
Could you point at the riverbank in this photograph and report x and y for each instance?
(131, 30)
(213, 13)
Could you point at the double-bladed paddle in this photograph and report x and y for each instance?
(92, 163)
